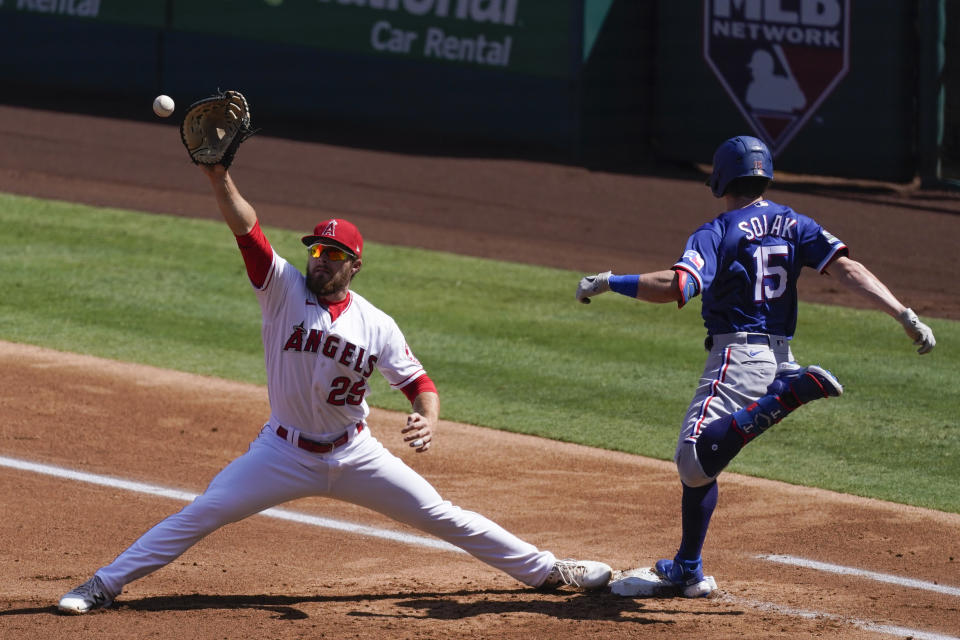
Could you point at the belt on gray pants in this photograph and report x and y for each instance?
(750, 338)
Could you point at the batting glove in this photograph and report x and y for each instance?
(921, 334)
(593, 286)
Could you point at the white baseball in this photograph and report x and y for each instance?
(163, 106)
(416, 444)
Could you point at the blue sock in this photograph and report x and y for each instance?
(696, 507)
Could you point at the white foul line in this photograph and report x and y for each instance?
(329, 523)
(861, 573)
(866, 625)
(183, 496)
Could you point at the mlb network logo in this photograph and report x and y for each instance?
(778, 60)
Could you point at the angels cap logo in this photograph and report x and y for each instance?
(778, 60)
(330, 229)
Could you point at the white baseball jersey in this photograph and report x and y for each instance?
(319, 359)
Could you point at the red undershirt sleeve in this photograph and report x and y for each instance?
(418, 386)
(257, 254)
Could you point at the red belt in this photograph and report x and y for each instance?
(318, 447)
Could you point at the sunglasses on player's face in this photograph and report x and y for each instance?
(333, 254)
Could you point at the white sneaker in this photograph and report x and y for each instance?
(87, 597)
(580, 574)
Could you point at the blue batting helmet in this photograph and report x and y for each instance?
(738, 158)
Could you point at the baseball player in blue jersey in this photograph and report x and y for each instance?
(744, 264)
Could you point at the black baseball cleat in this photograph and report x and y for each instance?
(804, 384)
(87, 597)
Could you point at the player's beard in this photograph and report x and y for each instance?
(327, 284)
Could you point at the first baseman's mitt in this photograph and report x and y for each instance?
(214, 127)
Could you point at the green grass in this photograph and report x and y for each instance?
(507, 345)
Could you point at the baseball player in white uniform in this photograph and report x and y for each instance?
(322, 342)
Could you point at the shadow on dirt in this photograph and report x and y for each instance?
(457, 605)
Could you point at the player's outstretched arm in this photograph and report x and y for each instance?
(239, 214)
(656, 286)
(659, 286)
(861, 280)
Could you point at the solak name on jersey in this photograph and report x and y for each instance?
(331, 346)
(759, 226)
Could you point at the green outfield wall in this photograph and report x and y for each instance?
(854, 88)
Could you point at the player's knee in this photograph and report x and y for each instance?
(689, 469)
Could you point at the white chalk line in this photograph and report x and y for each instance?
(183, 496)
(866, 625)
(861, 573)
(340, 525)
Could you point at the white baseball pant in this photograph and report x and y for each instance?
(362, 472)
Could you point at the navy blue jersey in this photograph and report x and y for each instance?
(746, 263)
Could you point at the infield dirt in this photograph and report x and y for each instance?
(269, 578)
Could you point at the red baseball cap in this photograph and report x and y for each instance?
(337, 232)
